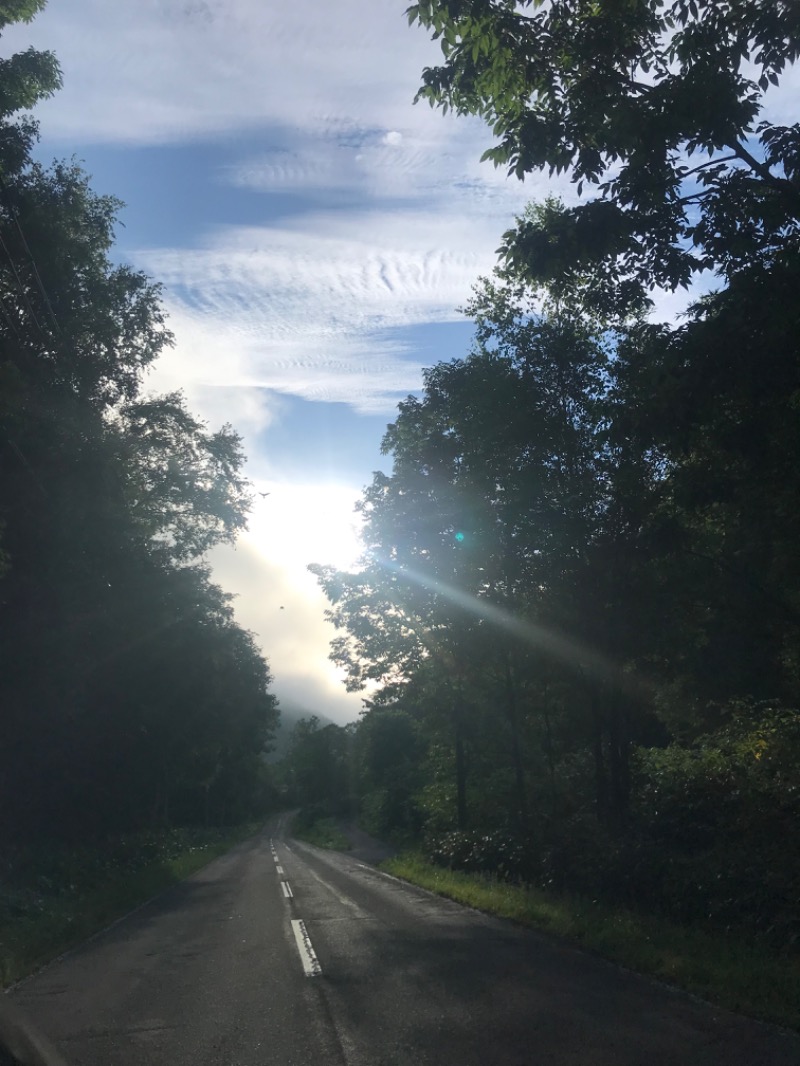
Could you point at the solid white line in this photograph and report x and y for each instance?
(344, 900)
(308, 957)
(287, 889)
(278, 869)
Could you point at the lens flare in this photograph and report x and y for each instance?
(574, 653)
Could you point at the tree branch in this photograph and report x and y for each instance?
(782, 185)
(709, 163)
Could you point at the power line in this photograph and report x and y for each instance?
(35, 477)
(20, 283)
(38, 277)
(9, 320)
(36, 273)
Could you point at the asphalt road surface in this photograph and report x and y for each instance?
(279, 953)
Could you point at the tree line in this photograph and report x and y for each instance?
(578, 610)
(130, 697)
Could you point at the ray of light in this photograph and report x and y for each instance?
(574, 653)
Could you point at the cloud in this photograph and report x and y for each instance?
(314, 310)
(167, 70)
(171, 69)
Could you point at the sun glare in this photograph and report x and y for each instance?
(300, 524)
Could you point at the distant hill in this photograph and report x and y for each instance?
(291, 713)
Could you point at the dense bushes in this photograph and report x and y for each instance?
(709, 836)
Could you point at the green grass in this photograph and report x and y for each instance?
(321, 832)
(52, 897)
(736, 973)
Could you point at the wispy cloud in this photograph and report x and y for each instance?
(314, 309)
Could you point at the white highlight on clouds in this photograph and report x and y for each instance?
(280, 601)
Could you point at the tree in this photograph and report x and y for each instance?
(716, 400)
(493, 549)
(390, 751)
(129, 695)
(652, 103)
(320, 767)
(183, 484)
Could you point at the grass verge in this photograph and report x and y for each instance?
(321, 832)
(736, 973)
(52, 897)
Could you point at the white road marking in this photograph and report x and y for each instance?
(287, 889)
(279, 869)
(275, 857)
(341, 899)
(383, 873)
(308, 956)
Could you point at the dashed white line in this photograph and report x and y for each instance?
(275, 857)
(287, 889)
(308, 957)
(279, 869)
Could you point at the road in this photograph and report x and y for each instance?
(279, 953)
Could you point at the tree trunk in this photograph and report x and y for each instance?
(619, 764)
(521, 799)
(549, 751)
(600, 780)
(461, 767)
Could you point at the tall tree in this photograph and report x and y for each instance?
(125, 677)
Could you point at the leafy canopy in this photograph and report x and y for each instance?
(654, 105)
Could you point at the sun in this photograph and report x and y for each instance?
(300, 524)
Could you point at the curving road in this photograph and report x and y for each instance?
(281, 953)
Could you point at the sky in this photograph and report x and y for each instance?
(315, 233)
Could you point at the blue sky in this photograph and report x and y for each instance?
(315, 233)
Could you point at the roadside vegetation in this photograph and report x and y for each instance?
(53, 896)
(733, 971)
